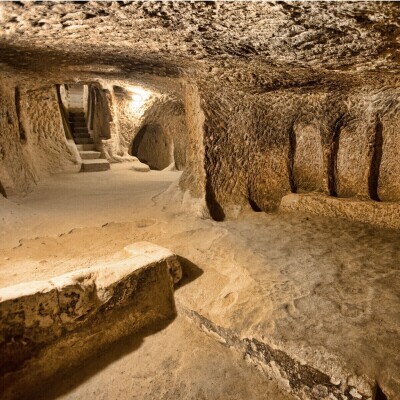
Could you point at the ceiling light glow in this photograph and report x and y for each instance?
(139, 97)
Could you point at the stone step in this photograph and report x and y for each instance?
(85, 147)
(95, 165)
(83, 140)
(80, 130)
(78, 127)
(80, 135)
(89, 155)
(78, 122)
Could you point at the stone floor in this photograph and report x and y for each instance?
(325, 292)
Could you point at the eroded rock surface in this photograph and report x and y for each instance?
(264, 105)
(291, 96)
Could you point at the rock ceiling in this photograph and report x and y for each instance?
(171, 38)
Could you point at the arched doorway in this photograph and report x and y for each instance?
(152, 147)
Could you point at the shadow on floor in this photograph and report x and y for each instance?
(68, 379)
(190, 272)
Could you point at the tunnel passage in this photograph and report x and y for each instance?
(152, 147)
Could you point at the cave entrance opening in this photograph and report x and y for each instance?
(152, 147)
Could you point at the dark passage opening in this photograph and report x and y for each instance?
(214, 208)
(379, 395)
(332, 162)
(376, 159)
(254, 205)
(291, 158)
(152, 147)
(2, 190)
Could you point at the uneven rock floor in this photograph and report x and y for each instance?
(325, 291)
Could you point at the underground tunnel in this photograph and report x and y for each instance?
(200, 200)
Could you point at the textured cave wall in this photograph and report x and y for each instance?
(42, 149)
(46, 140)
(104, 124)
(100, 116)
(389, 173)
(246, 149)
(15, 175)
(279, 97)
(193, 178)
(260, 147)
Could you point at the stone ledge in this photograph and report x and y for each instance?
(294, 376)
(381, 214)
(47, 325)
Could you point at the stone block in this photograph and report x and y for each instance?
(48, 325)
(95, 165)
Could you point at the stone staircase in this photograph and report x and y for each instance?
(91, 160)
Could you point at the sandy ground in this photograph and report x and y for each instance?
(324, 290)
(66, 205)
(73, 200)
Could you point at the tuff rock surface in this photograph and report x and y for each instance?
(266, 106)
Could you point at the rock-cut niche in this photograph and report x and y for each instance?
(152, 147)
